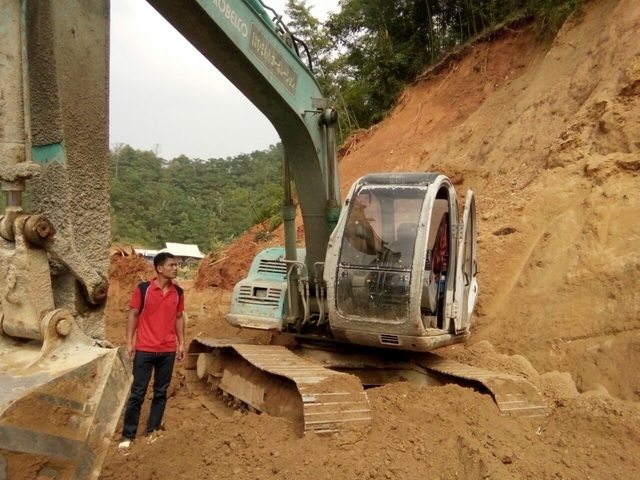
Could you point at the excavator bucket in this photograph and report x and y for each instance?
(60, 401)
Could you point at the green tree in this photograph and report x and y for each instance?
(190, 201)
(384, 45)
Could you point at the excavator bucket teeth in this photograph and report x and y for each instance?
(274, 380)
(59, 413)
(514, 395)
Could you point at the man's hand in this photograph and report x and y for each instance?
(130, 348)
(180, 353)
(132, 326)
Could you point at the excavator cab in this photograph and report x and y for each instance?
(401, 266)
(376, 254)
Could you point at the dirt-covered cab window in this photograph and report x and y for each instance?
(377, 252)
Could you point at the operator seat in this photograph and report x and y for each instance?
(404, 243)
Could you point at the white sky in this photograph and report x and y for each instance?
(163, 92)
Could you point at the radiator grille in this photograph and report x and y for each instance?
(273, 267)
(389, 340)
(250, 295)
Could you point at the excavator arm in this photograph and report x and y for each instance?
(239, 39)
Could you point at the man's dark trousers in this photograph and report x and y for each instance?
(143, 364)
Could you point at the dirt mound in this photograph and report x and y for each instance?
(555, 386)
(127, 269)
(225, 269)
(549, 138)
(444, 432)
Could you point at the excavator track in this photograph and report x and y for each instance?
(321, 390)
(515, 396)
(274, 380)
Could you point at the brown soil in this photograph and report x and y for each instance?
(227, 268)
(548, 136)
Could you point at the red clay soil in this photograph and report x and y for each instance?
(548, 136)
(228, 267)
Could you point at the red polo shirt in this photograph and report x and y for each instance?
(157, 321)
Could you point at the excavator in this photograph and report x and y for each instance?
(385, 277)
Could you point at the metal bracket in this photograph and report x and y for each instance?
(319, 103)
(38, 231)
(451, 311)
(457, 230)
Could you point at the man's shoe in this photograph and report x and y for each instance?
(124, 446)
(153, 436)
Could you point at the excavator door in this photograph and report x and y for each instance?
(466, 286)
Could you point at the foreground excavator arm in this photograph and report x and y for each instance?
(61, 392)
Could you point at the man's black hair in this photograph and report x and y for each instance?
(161, 258)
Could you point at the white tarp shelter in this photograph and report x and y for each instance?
(184, 253)
(183, 250)
(148, 254)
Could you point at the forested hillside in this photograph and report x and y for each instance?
(205, 202)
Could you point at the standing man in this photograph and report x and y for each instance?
(157, 322)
